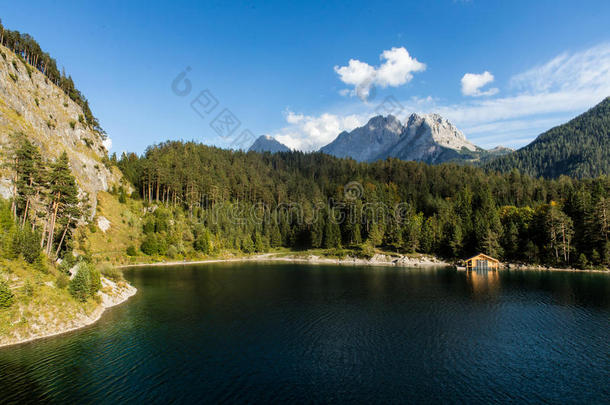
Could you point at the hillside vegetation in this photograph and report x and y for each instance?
(53, 162)
(252, 202)
(579, 148)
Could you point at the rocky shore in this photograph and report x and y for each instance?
(376, 260)
(111, 294)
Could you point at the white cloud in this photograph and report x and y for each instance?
(355, 72)
(396, 69)
(308, 133)
(293, 118)
(473, 82)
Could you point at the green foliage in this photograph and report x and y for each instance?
(28, 288)
(582, 262)
(131, 251)
(68, 261)
(172, 252)
(26, 243)
(579, 148)
(149, 226)
(6, 295)
(62, 281)
(86, 283)
(202, 240)
(72, 124)
(214, 199)
(154, 245)
(111, 272)
(40, 263)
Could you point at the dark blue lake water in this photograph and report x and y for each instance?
(316, 334)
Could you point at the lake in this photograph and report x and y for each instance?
(279, 332)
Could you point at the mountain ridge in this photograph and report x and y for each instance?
(429, 138)
(578, 148)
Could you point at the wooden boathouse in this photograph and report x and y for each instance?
(482, 262)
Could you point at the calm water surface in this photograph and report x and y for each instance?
(316, 334)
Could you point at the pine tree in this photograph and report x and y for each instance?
(64, 199)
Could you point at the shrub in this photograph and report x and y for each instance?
(582, 261)
(149, 226)
(26, 243)
(149, 245)
(72, 124)
(40, 263)
(111, 272)
(131, 251)
(28, 288)
(62, 281)
(172, 251)
(85, 283)
(162, 245)
(6, 295)
(202, 241)
(67, 262)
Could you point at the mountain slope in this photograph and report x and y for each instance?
(33, 107)
(266, 143)
(367, 142)
(579, 148)
(428, 138)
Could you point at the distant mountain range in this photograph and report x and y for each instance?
(266, 143)
(428, 138)
(579, 148)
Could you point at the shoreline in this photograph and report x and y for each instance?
(119, 294)
(377, 260)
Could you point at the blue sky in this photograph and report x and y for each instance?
(284, 69)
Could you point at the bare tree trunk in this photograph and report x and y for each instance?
(52, 227)
(157, 189)
(14, 202)
(63, 235)
(44, 233)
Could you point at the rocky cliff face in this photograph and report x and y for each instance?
(33, 106)
(369, 142)
(429, 138)
(266, 143)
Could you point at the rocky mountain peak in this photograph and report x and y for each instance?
(425, 137)
(389, 123)
(267, 143)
